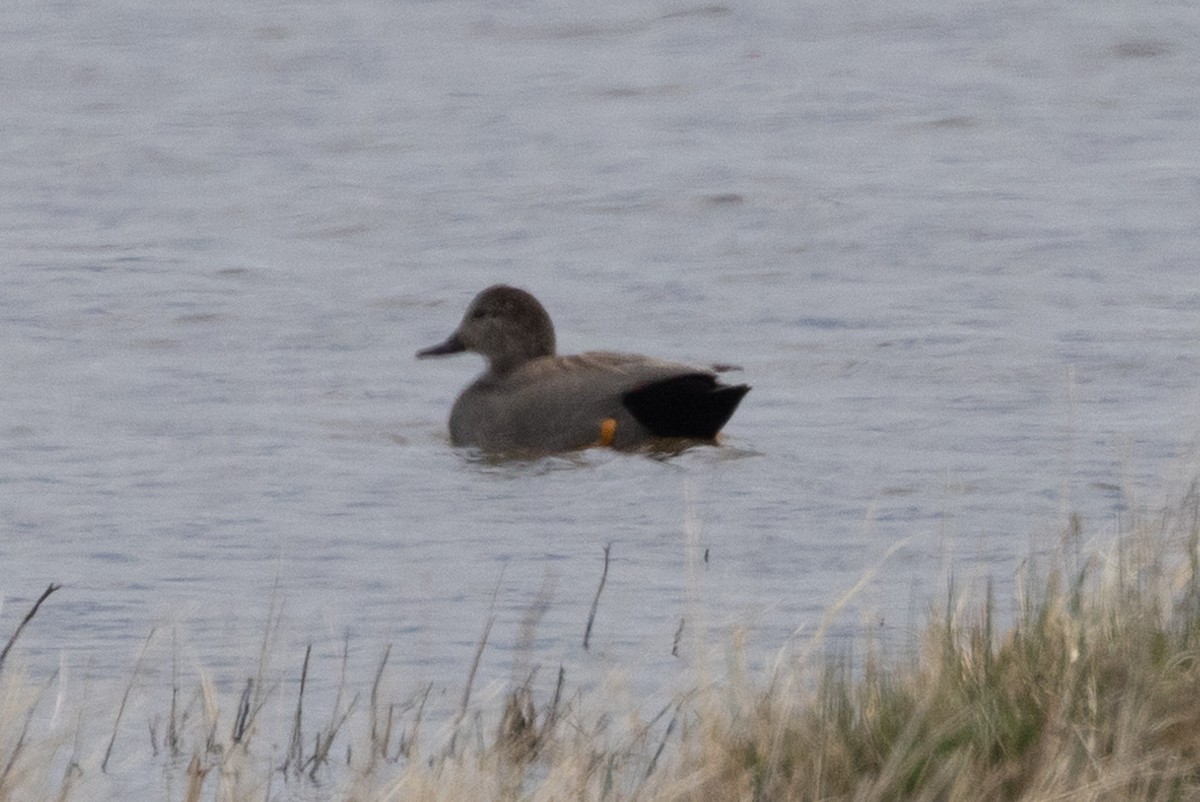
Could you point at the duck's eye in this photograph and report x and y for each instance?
(478, 314)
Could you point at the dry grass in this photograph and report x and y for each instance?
(1091, 693)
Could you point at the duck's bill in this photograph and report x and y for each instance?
(453, 345)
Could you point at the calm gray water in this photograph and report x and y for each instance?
(953, 247)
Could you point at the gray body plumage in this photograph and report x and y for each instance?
(556, 402)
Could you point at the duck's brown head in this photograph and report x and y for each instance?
(508, 326)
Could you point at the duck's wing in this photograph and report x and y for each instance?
(566, 400)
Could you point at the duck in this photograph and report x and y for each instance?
(530, 399)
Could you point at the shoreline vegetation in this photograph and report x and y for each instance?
(1090, 692)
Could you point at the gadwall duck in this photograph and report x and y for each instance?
(528, 399)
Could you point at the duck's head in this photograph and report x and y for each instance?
(506, 325)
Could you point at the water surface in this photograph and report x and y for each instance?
(951, 245)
